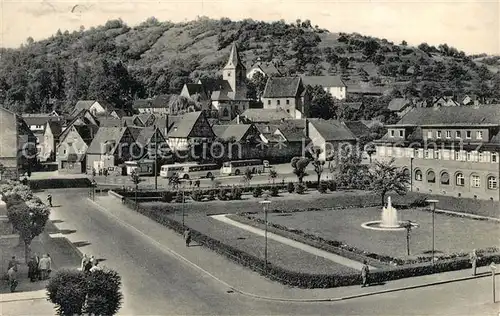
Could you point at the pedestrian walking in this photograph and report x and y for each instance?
(32, 269)
(365, 273)
(93, 260)
(12, 274)
(84, 262)
(44, 267)
(473, 261)
(49, 270)
(95, 267)
(49, 200)
(37, 269)
(87, 267)
(13, 263)
(187, 237)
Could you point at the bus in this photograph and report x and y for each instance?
(142, 168)
(237, 167)
(188, 171)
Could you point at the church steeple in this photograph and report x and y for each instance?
(234, 72)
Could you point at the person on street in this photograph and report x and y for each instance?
(49, 199)
(95, 267)
(32, 269)
(44, 267)
(473, 261)
(37, 270)
(92, 260)
(50, 266)
(85, 260)
(187, 237)
(365, 271)
(88, 266)
(13, 263)
(12, 274)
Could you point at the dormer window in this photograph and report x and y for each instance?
(401, 134)
(438, 134)
(392, 133)
(458, 134)
(429, 134)
(448, 134)
(479, 134)
(468, 134)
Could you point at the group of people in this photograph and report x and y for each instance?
(38, 269)
(89, 264)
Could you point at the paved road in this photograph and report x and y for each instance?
(157, 283)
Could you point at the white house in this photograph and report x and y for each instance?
(331, 84)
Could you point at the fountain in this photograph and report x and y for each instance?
(389, 220)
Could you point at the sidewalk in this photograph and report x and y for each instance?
(247, 282)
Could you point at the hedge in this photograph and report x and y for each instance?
(305, 280)
(43, 184)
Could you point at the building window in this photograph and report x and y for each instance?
(418, 175)
(438, 134)
(401, 134)
(278, 102)
(468, 134)
(494, 157)
(492, 183)
(437, 155)
(287, 102)
(457, 155)
(431, 176)
(429, 134)
(460, 179)
(479, 134)
(268, 102)
(448, 134)
(475, 181)
(445, 178)
(229, 74)
(481, 157)
(458, 134)
(392, 133)
(469, 156)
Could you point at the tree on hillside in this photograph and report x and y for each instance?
(321, 103)
(299, 165)
(385, 178)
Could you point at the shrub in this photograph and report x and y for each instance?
(167, 196)
(211, 195)
(419, 202)
(104, 296)
(179, 197)
(67, 290)
(196, 195)
(222, 195)
(332, 185)
(236, 193)
(322, 187)
(290, 187)
(299, 188)
(257, 192)
(274, 191)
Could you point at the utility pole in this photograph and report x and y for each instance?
(493, 269)
(265, 203)
(156, 159)
(433, 209)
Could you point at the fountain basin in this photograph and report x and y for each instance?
(378, 225)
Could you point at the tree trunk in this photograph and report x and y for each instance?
(382, 195)
(319, 177)
(27, 251)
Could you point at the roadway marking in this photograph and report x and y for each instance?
(292, 243)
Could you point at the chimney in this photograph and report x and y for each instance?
(166, 124)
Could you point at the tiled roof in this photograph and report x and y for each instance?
(267, 67)
(364, 88)
(38, 119)
(185, 125)
(358, 128)
(84, 104)
(332, 130)
(352, 105)
(56, 127)
(281, 87)
(110, 122)
(86, 132)
(142, 103)
(324, 81)
(397, 104)
(237, 131)
(455, 115)
(194, 88)
(265, 115)
(146, 135)
(105, 135)
(135, 131)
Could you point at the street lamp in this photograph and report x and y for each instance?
(265, 204)
(182, 208)
(493, 269)
(408, 226)
(433, 209)
(411, 174)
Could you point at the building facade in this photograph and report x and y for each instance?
(447, 150)
(286, 94)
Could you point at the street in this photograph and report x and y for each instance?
(156, 282)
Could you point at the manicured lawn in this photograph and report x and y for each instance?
(452, 234)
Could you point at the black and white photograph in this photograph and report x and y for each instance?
(237, 157)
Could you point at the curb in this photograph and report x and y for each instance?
(471, 216)
(37, 295)
(268, 298)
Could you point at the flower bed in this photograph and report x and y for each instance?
(59, 183)
(305, 280)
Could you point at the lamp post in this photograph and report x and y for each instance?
(493, 269)
(156, 158)
(433, 209)
(265, 204)
(411, 174)
(408, 230)
(182, 208)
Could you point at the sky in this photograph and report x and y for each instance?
(469, 25)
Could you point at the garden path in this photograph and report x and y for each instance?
(312, 250)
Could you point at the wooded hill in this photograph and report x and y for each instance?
(118, 63)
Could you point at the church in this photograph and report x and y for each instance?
(226, 95)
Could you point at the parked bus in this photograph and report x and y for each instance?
(142, 168)
(188, 171)
(237, 167)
